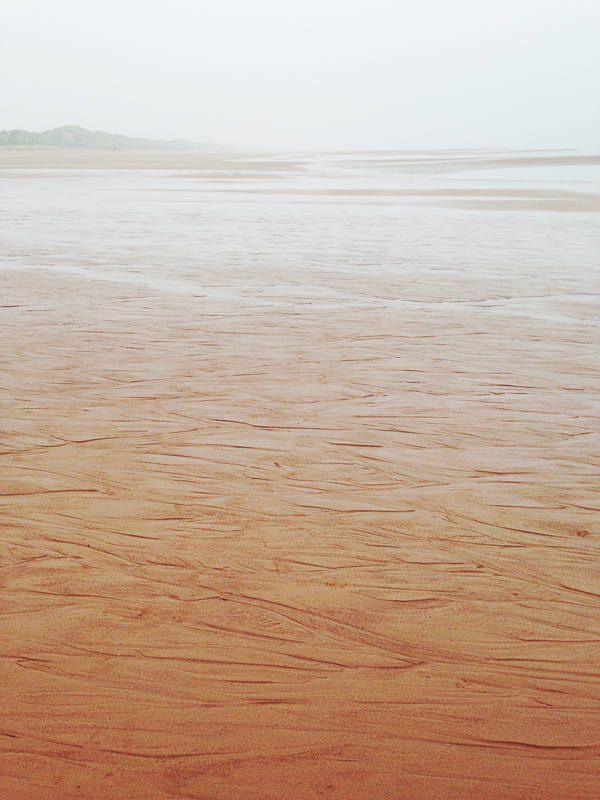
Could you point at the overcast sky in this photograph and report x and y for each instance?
(314, 74)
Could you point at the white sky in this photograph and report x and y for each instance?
(324, 74)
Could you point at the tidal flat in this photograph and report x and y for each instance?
(299, 475)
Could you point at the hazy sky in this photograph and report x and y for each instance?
(308, 73)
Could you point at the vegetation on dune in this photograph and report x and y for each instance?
(74, 136)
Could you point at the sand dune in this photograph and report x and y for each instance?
(288, 550)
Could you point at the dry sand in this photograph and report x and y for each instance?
(292, 552)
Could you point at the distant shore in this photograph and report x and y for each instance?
(74, 136)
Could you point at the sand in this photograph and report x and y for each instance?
(79, 158)
(281, 543)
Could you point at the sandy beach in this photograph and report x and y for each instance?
(299, 476)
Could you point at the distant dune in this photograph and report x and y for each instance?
(74, 136)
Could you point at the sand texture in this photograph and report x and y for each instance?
(299, 495)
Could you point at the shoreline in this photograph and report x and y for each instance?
(24, 157)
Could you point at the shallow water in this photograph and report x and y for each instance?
(324, 231)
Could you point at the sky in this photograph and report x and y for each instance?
(308, 74)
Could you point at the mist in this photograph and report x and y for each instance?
(381, 74)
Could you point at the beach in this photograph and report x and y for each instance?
(299, 476)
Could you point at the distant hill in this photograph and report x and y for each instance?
(74, 136)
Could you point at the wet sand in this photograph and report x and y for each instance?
(279, 530)
(78, 158)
